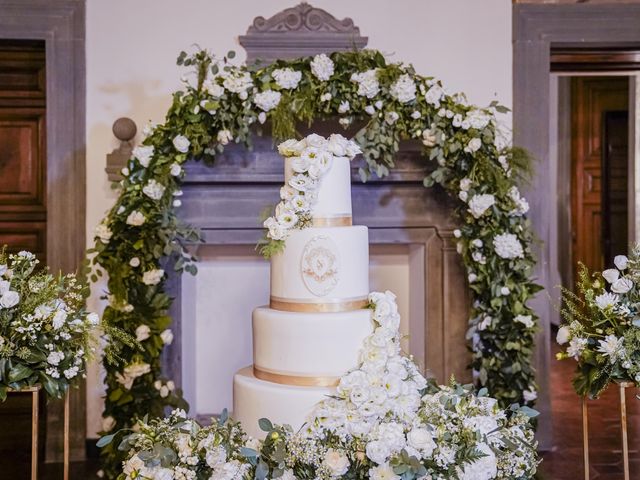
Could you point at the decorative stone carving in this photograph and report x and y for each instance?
(299, 31)
(125, 130)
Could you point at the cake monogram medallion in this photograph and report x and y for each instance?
(320, 265)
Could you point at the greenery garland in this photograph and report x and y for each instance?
(141, 235)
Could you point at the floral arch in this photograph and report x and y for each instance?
(223, 103)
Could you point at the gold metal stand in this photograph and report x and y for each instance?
(35, 418)
(623, 424)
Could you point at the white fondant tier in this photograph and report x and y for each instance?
(322, 265)
(334, 194)
(308, 344)
(254, 399)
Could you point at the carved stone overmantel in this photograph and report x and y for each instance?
(297, 32)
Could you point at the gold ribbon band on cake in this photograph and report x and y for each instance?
(295, 380)
(327, 306)
(332, 221)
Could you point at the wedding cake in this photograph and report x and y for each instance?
(314, 327)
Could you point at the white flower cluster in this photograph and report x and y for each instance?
(368, 85)
(267, 100)
(322, 67)
(287, 78)
(403, 89)
(309, 159)
(507, 245)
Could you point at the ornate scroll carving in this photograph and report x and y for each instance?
(299, 31)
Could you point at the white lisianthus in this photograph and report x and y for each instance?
(302, 183)
(336, 462)
(507, 245)
(181, 143)
(606, 300)
(224, 137)
(9, 299)
(421, 439)
(152, 277)
(473, 145)
(563, 335)
(621, 262)
(175, 170)
(132, 466)
(134, 262)
(276, 231)
(167, 336)
(143, 332)
(526, 320)
(621, 285)
(322, 67)
(383, 472)
(135, 218)
(267, 100)
(153, 189)
(480, 204)
(144, 153)
(403, 89)
(368, 85)
(611, 275)
(103, 232)
(287, 78)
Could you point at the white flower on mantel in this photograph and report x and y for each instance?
(508, 246)
(480, 204)
(143, 153)
(104, 233)
(526, 320)
(175, 169)
(134, 262)
(181, 143)
(336, 462)
(224, 137)
(152, 277)
(391, 117)
(403, 89)
(287, 78)
(621, 262)
(473, 145)
(143, 332)
(368, 85)
(267, 100)
(322, 67)
(153, 190)
(167, 336)
(135, 218)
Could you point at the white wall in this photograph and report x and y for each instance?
(131, 71)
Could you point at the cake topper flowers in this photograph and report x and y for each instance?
(310, 158)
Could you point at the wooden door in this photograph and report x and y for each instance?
(23, 210)
(593, 99)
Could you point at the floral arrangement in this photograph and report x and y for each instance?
(601, 328)
(221, 102)
(45, 332)
(386, 422)
(310, 158)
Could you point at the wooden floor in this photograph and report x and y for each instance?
(565, 461)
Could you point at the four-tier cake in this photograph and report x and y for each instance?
(313, 329)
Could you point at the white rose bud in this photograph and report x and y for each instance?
(167, 336)
(181, 143)
(143, 332)
(563, 335)
(134, 262)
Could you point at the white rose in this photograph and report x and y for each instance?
(611, 275)
(224, 137)
(563, 335)
(621, 285)
(621, 262)
(378, 451)
(134, 262)
(322, 67)
(135, 218)
(143, 154)
(175, 170)
(152, 277)
(167, 336)
(420, 438)
(153, 189)
(108, 423)
(143, 332)
(391, 117)
(416, 114)
(104, 233)
(9, 299)
(181, 143)
(473, 145)
(527, 320)
(336, 461)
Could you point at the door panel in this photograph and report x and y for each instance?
(592, 98)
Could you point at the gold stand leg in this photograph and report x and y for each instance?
(585, 437)
(66, 437)
(623, 424)
(34, 433)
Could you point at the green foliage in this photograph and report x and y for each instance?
(209, 115)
